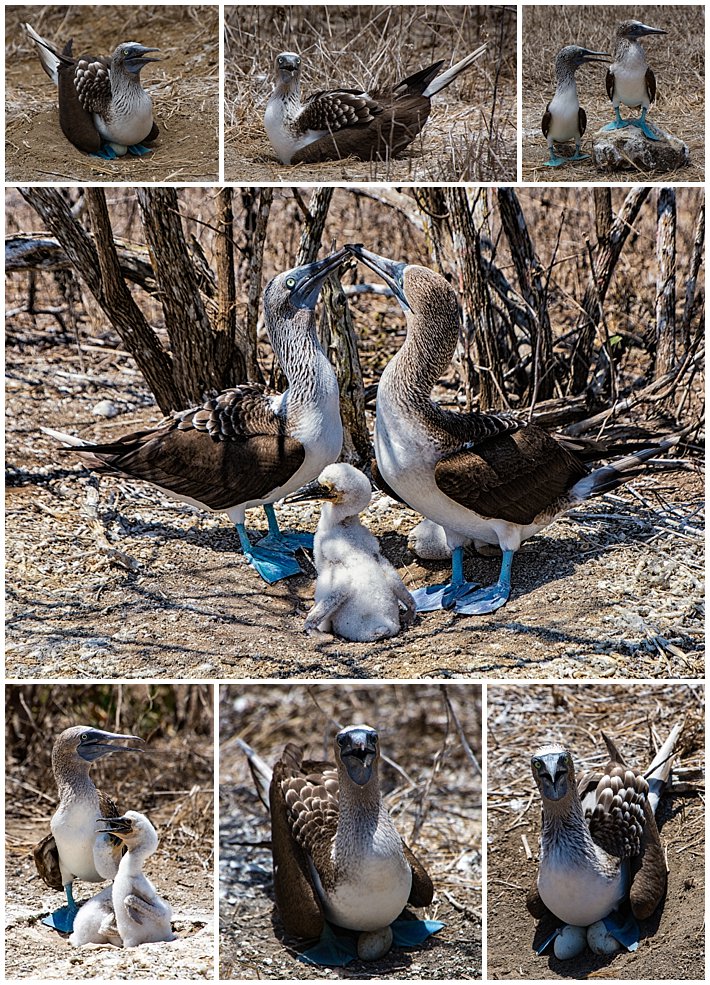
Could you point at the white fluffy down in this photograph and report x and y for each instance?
(95, 923)
(358, 593)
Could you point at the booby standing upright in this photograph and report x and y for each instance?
(142, 917)
(358, 594)
(630, 79)
(248, 446)
(336, 123)
(103, 108)
(564, 119)
(73, 850)
(337, 854)
(599, 845)
(487, 477)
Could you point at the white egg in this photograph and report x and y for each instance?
(600, 940)
(570, 942)
(374, 944)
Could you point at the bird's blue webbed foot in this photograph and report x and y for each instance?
(272, 565)
(645, 127)
(335, 948)
(617, 123)
(485, 600)
(106, 153)
(623, 929)
(555, 161)
(409, 933)
(139, 149)
(578, 156)
(276, 540)
(435, 597)
(63, 918)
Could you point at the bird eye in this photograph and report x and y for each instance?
(291, 282)
(537, 763)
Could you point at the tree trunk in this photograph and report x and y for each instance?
(256, 219)
(696, 260)
(665, 282)
(226, 320)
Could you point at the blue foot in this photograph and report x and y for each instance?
(579, 157)
(645, 128)
(335, 948)
(62, 919)
(626, 932)
(617, 125)
(287, 542)
(482, 601)
(139, 149)
(271, 565)
(541, 948)
(465, 597)
(409, 933)
(555, 161)
(107, 153)
(435, 597)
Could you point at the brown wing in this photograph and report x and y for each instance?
(92, 82)
(610, 83)
(511, 477)
(581, 121)
(422, 891)
(648, 870)
(227, 452)
(153, 135)
(75, 120)
(46, 859)
(651, 85)
(383, 137)
(296, 896)
(107, 806)
(546, 121)
(337, 109)
(533, 901)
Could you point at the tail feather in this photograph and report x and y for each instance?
(67, 439)
(260, 771)
(610, 477)
(49, 55)
(660, 769)
(447, 77)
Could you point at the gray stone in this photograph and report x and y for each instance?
(630, 150)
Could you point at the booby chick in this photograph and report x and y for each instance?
(630, 79)
(488, 477)
(142, 917)
(248, 446)
(74, 850)
(600, 851)
(95, 923)
(564, 119)
(358, 594)
(338, 856)
(103, 108)
(337, 123)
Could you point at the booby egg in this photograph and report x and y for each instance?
(600, 940)
(374, 944)
(570, 942)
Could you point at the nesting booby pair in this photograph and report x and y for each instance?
(600, 852)
(74, 849)
(248, 446)
(564, 119)
(129, 912)
(630, 80)
(337, 123)
(489, 478)
(338, 858)
(359, 595)
(103, 108)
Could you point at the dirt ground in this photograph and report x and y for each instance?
(183, 85)
(470, 134)
(171, 782)
(436, 804)
(678, 60)
(520, 719)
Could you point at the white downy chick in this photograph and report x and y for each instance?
(358, 593)
(95, 922)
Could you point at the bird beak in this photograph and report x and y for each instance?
(135, 62)
(312, 490)
(96, 743)
(644, 29)
(115, 825)
(358, 752)
(594, 56)
(389, 270)
(310, 278)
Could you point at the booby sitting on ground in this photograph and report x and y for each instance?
(248, 446)
(629, 79)
(95, 922)
(564, 119)
(600, 851)
(487, 477)
(359, 594)
(74, 850)
(103, 108)
(338, 858)
(338, 123)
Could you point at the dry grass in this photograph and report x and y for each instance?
(678, 60)
(470, 133)
(184, 86)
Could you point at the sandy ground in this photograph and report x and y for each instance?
(181, 869)
(183, 86)
(520, 719)
(129, 584)
(677, 60)
(441, 802)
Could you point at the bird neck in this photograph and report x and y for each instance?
(565, 79)
(360, 815)
(564, 828)
(72, 778)
(337, 514)
(630, 50)
(426, 353)
(123, 82)
(305, 365)
(289, 94)
(133, 861)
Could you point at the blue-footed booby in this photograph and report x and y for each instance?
(337, 854)
(600, 852)
(564, 119)
(488, 477)
(248, 446)
(74, 850)
(337, 123)
(359, 595)
(103, 108)
(630, 79)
